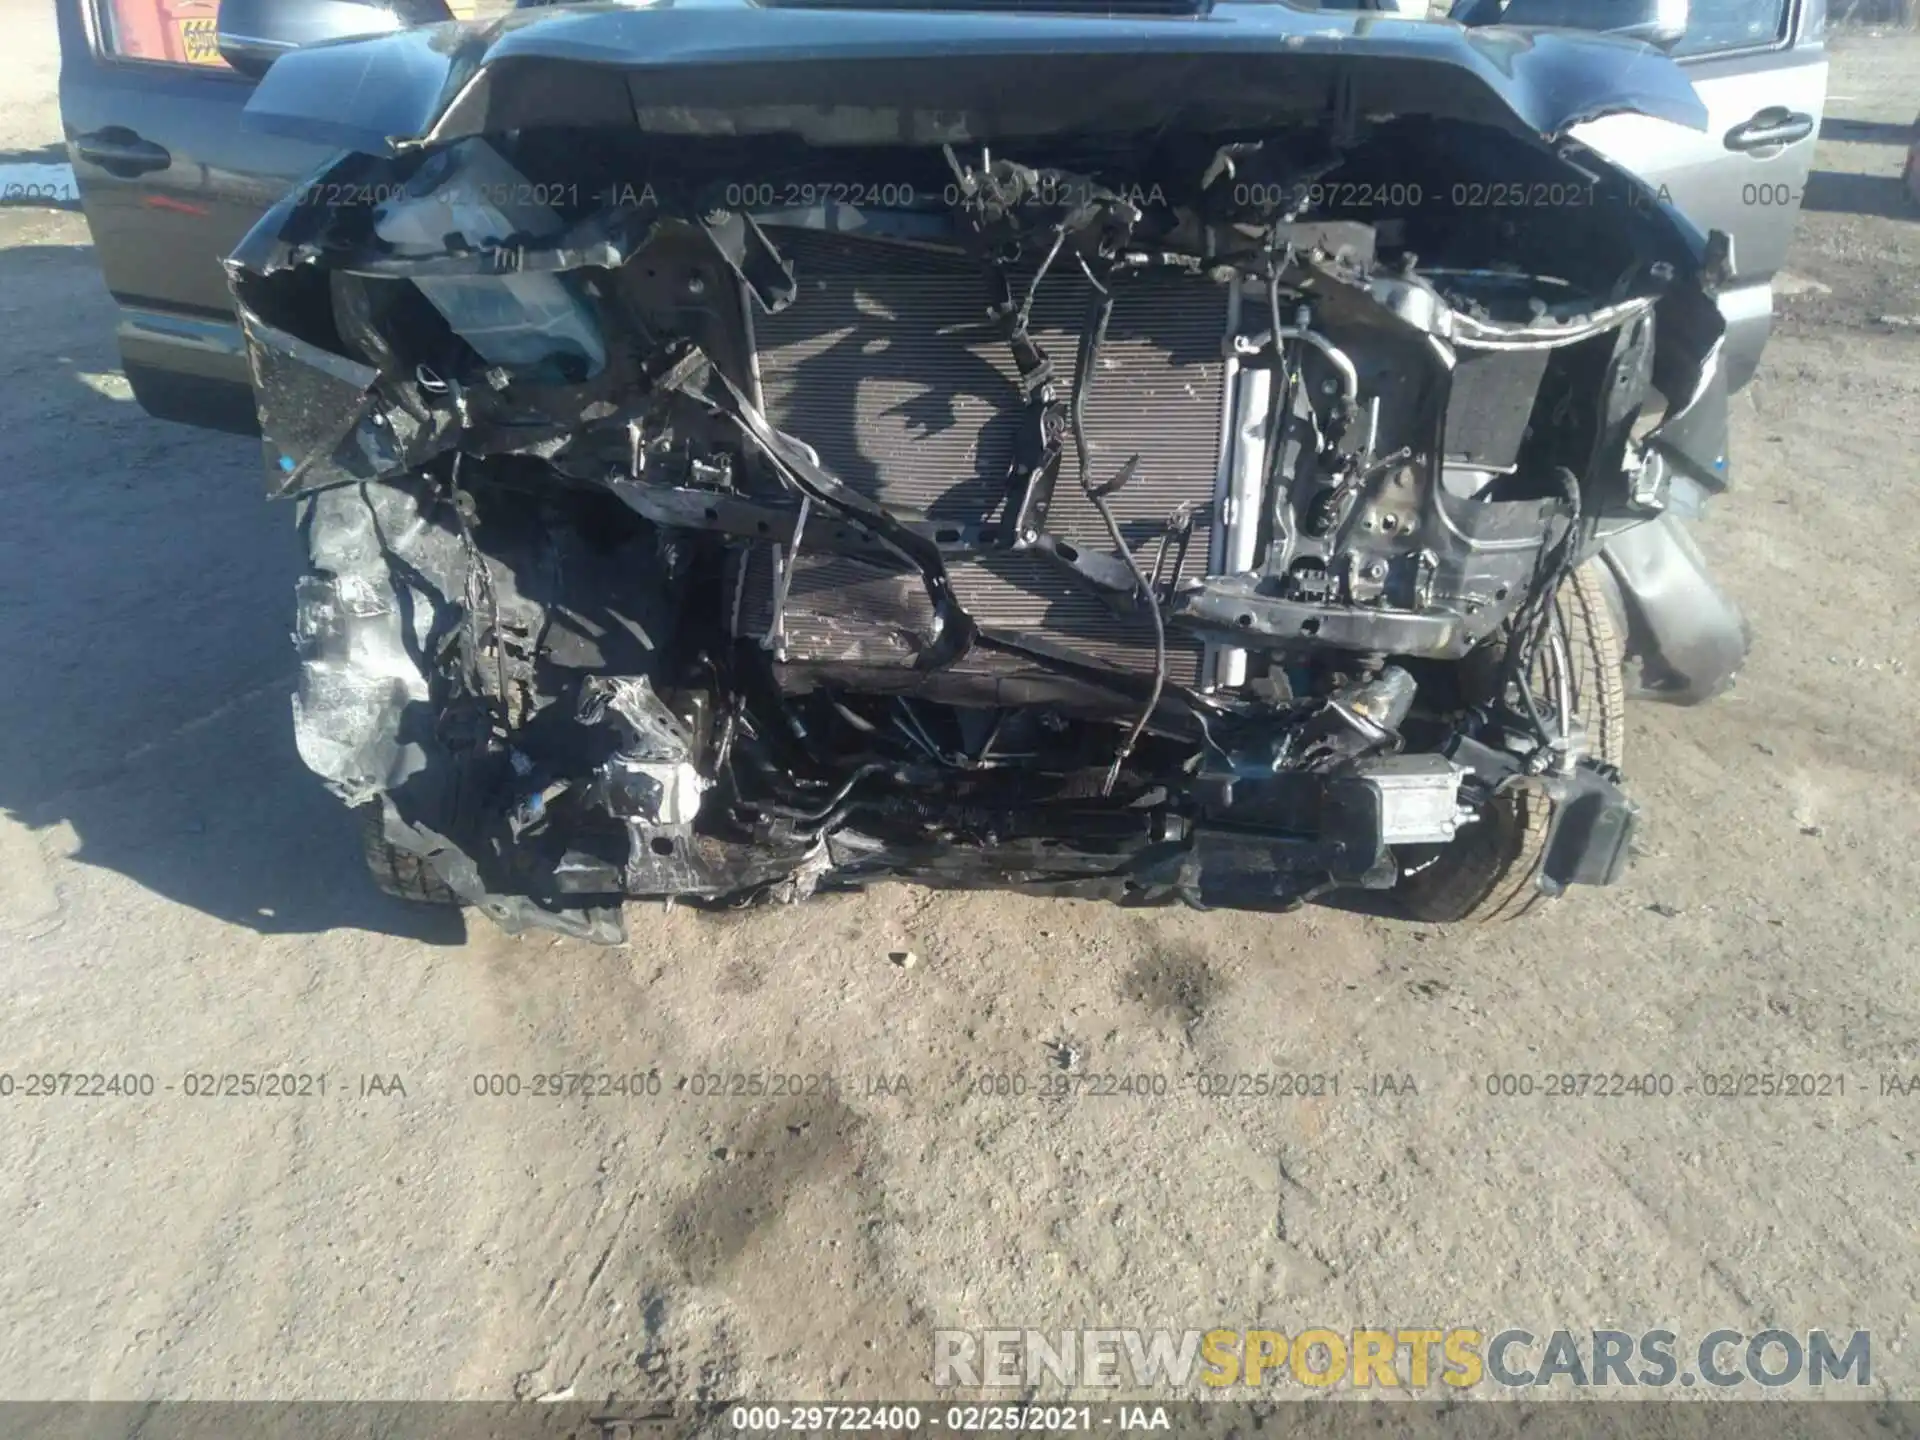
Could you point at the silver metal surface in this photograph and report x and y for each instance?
(1419, 798)
(1340, 360)
(1247, 473)
(1211, 661)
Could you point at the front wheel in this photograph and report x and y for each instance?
(1491, 872)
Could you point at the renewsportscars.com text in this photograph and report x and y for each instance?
(1398, 1358)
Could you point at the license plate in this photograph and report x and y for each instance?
(199, 41)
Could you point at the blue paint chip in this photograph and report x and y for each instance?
(286, 462)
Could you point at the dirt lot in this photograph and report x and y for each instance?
(177, 895)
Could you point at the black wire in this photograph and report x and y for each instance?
(1283, 393)
(1530, 624)
(1274, 271)
(793, 812)
(1025, 313)
(1090, 342)
(1179, 523)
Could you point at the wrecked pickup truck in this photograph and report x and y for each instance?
(747, 450)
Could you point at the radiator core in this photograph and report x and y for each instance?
(923, 423)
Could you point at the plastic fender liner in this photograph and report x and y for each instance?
(1592, 831)
(1689, 637)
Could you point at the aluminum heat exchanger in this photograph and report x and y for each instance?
(885, 366)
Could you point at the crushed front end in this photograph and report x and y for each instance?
(1179, 504)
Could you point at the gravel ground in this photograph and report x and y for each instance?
(178, 896)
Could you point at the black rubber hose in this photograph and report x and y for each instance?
(792, 812)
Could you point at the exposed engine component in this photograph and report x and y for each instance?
(1120, 514)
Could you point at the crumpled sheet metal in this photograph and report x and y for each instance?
(322, 421)
(367, 614)
(381, 596)
(649, 730)
(329, 424)
(297, 230)
(330, 420)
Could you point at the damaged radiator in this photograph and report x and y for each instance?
(924, 422)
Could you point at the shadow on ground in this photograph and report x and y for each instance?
(146, 588)
(1834, 191)
(1866, 132)
(51, 154)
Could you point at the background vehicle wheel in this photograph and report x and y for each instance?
(404, 876)
(1488, 873)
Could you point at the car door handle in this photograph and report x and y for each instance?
(119, 151)
(1775, 125)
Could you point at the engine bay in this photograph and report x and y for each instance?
(1153, 517)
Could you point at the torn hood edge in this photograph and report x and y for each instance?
(918, 77)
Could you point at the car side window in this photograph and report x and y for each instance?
(170, 32)
(1714, 26)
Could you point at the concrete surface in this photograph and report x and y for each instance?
(178, 897)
